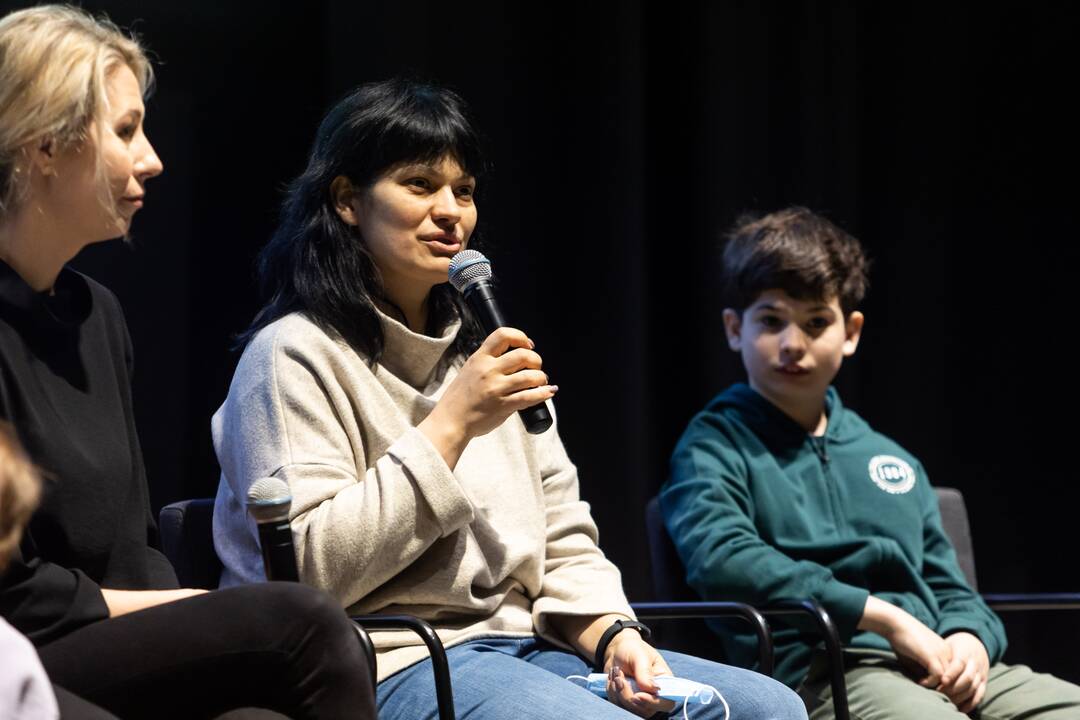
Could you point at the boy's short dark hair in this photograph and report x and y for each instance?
(797, 251)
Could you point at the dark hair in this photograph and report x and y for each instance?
(316, 263)
(797, 251)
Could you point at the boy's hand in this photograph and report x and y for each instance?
(911, 641)
(970, 667)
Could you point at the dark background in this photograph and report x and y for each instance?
(625, 138)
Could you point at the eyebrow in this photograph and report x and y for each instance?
(134, 114)
(420, 166)
(777, 308)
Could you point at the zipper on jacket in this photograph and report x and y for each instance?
(840, 521)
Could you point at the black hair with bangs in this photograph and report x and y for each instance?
(316, 263)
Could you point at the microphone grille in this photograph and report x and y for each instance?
(468, 267)
(269, 498)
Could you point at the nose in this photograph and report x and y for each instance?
(147, 163)
(792, 343)
(445, 210)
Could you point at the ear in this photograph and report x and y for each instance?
(343, 195)
(42, 155)
(733, 328)
(852, 332)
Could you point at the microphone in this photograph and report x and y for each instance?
(470, 273)
(268, 502)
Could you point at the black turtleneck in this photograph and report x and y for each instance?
(65, 385)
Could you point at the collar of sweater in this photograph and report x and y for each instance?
(775, 427)
(68, 305)
(414, 357)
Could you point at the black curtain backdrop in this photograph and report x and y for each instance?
(625, 138)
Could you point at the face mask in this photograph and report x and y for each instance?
(678, 690)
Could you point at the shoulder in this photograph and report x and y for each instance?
(713, 426)
(891, 466)
(293, 347)
(294, 336)
(713, 439)
(857, 430)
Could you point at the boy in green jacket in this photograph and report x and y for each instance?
(777, 491)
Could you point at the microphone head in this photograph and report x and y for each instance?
(269, 499)
(467, 268)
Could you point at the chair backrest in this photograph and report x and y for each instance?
(954, 520)
(187, 537)
(669, 577)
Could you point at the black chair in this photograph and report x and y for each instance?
(954, 520)
(188, 542)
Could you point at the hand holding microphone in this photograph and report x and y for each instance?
(502, 377)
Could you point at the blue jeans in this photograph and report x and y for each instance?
(524, 679)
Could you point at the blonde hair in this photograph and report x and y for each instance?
(20, 488)
(54, 64)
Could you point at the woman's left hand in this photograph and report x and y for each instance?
(629, 656)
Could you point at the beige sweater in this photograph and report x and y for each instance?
(494, 547)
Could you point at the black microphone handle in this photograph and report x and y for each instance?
(279, 555)
(481, 298)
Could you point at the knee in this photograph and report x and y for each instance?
(771, 699)
(752, 696)
(317, 609)
(285, 604)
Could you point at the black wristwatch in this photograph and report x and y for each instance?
(617, 627)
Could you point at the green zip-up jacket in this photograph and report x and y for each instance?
(761, 511)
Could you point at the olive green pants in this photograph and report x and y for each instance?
(878, 689)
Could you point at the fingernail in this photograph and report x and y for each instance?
(553, 388)
(532, 345)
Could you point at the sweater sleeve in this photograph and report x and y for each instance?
(960, 607)
(289, 415)
(578, 578)
(45, 601)
(708, 509)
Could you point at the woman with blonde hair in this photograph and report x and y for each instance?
(87, 587)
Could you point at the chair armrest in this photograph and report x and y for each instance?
(833, 648)
(1032, 601)
(369, 652)
(439, 664)
(675, 610)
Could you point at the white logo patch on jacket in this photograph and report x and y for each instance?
(891, 474)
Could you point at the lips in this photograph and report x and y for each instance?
(792, 369)
(442, 243)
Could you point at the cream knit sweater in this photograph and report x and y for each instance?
(494, 547)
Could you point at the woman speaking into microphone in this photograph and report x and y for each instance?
(367, 385)
(102, 605)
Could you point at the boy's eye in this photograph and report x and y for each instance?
(771, 321)
(818, 323)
